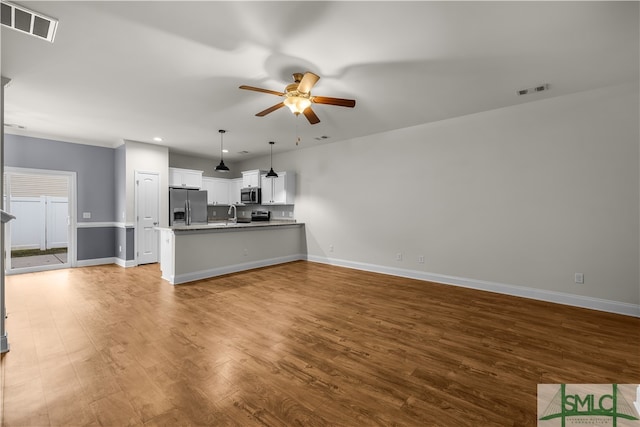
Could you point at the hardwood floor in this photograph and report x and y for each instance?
(300, 344)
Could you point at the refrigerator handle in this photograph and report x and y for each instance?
(187, 213)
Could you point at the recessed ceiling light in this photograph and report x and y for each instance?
(225, 150)
(157, 139)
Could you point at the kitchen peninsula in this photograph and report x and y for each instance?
(195, 252)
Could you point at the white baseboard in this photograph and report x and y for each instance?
(513, 290)
(125, 263)
(95, 261)
(110, 260)
(227, 269)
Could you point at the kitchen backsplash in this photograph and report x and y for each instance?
(277, 212)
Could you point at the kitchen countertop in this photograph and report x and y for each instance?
(224, 225)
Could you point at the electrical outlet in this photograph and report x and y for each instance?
(284, 214)
(420, 259)
(290, 214)
(119, 248)
(245, 251)
(579, 278)
(214, 213)
(330, 248)
(399, 256)
(86, 215)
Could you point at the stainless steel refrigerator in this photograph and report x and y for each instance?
(187, 207)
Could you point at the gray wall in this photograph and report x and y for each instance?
(124, 244)
(120, 186)
(94, 167)
(96, 243)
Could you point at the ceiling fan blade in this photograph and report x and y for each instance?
(308, 81)
(258, 89)
(334, 101)
(270, 109)
(311, 116)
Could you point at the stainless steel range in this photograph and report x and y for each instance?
(260, 215)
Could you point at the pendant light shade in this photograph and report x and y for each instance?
(221, 167)
(271, 173)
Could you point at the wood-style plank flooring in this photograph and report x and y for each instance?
(300, 344)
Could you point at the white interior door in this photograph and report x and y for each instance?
(147, 216)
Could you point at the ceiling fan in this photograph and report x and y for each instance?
(297, 96)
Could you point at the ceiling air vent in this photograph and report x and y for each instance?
(534, 89)
(27, 21)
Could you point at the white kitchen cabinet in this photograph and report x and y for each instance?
(217, 190)
(280, 190)
(185, 178)
(251, 179)
(234, 190)
(207, 185)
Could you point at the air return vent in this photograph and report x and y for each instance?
(27, 21)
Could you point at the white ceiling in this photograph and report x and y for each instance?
(135, 70)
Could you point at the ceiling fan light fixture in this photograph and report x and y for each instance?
(271, 173)
(297, 97)
(297, 104)
(222, 167)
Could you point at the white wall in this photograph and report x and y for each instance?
(147, 158)
(524, 196)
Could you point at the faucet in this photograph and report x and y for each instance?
(235, 213)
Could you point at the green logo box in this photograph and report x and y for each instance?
(607, 405)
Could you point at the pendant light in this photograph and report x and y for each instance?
(271, 173)
(221, 167)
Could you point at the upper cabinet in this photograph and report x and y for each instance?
(251, 179)
(235, 185)
(217, 190)
(185, 178)
(280, 190)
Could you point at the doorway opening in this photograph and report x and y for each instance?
(40, 238)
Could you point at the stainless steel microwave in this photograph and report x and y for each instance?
(250, 196)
